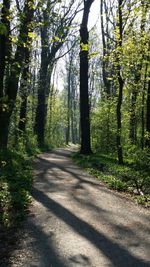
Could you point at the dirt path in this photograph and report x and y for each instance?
(75, 221)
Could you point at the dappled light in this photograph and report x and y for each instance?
(114, 234)
(74, 133)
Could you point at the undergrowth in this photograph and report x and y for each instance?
(15, 186)
(16, 179)
(130, 177)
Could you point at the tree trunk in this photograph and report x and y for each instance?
(40, 117)
(107, 84)
(4, 124)
(84, 94)
(143, 108)
(4, 41)
(121, 84)
(143, 119)
(23, 114)
(74, 122)
(132, 133)
(4, 44)
(68, 104)
(24, 93)
(148, 117)
(12, 83)
(119, 124)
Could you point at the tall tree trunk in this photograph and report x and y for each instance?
(43, 94)
(121, 84)
(51, 104)
(132, 133)
(40, 118)
(4, 44)
(142, 120)
(73, 112)
(34, 90)
(68, 104)
(24, 92)
(107, 84)
(143, 108)
(84, 94)
(4, 41)
(148, 117)
(12, 86)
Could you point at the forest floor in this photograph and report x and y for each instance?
(75, 221)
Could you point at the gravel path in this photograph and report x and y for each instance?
(75, 221)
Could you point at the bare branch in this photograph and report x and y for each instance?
(67, 51)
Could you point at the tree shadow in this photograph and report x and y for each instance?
(41, 245)
(47, 251)
(55, 185)
(82, 178)
(117, 254)
(86, 178)
(44, 247)
(121, 232)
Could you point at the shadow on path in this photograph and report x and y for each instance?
(43, 245)
(119, 256)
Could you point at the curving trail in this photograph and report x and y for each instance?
(75, 221)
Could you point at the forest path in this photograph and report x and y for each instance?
(75, 221)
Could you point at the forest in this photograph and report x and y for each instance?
(64, 82)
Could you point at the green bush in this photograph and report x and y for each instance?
(15, 186)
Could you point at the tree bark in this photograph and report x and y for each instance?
(74, 121)
(40, 118)
(132, 133)
(148, 117)
(107, 84)
(121, 84)
(13, 79)
(4, 45)
(84, 94)
(143, 111)
(24, 92)
(68, 102)
(4, 42)
(23, 114)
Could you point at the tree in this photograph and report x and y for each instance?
(57, 32)
(106, 31)
(10, 94)
(120, 80)
(4, 43)
(84, 94)
(148, 117)
(4, 52)
(72, 86)
(137, 72)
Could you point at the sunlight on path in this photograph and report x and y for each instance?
(75, 221)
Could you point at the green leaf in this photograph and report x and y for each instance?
(3, 29)
(84, 47)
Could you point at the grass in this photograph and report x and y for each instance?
(15, 187)
(124, 178)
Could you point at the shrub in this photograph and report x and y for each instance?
(15, 186)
